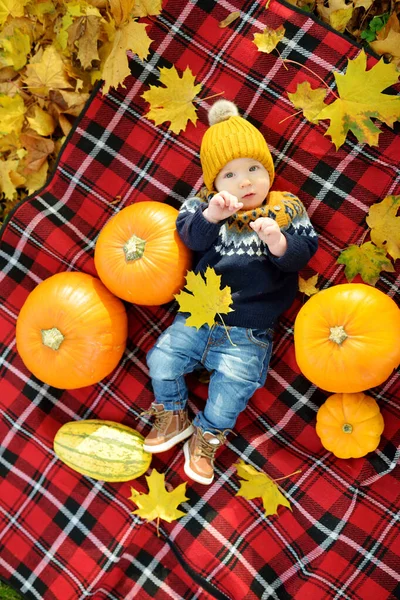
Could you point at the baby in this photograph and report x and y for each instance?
(257, 241)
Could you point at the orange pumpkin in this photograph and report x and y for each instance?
(347, 338)
(350, 425)
(71, 331)
(139, 255)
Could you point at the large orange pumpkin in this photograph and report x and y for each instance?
(71, 331)
(347, 338)
(139, 255)
(350, 425)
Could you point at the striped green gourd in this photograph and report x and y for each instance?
(103, 450)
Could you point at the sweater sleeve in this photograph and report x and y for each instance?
(302, 244)
(193, 228)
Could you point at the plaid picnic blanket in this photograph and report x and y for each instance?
(66, 537)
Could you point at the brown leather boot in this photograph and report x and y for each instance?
(170, 427)
(200, 454)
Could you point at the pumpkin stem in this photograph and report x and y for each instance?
(134, 248)
(338, 334)
(52, 338)
(347, 428)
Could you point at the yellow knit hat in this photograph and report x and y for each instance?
(228, 137)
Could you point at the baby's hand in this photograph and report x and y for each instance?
(221, 206)
(269, 232)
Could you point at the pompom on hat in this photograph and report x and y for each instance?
(228, 137)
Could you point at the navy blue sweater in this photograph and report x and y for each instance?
(262, 285)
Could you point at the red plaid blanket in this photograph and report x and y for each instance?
(64, 536)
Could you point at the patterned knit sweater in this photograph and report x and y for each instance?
(263, 286)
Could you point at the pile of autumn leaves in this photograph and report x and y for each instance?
(51, 54)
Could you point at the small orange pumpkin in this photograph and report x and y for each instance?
(350, 425)
(71, 331)
(139, 255)
(347, 338)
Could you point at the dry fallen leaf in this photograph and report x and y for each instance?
(361, 99)
(206, 298)
(388, 39)
(385, 225)
(366, 260)
(269, 38)
(174, 102)
(51, 55)
(308, 286)
(310, 101)
(229, 19)
(46, 72)
(146, 8)
(131, 36)
(158, 503)
(337, 13)
(258, 485)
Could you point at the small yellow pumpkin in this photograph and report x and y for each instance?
(350, 425)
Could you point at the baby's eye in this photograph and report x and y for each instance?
(228, 175)
(253, 168)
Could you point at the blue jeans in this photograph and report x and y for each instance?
(236, 371)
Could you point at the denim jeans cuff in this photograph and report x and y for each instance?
(176, 405)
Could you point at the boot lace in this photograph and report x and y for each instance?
(161, 417)
(206, 448)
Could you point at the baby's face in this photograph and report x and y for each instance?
(245, 178)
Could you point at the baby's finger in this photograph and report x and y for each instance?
(256, 225)
(218, 200)
(234, 204)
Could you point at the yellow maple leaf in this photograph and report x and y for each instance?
(206, 298)
(46, 72)
(337, 13)
(15, 8)
(7, 186)
(367, 260)
(146, 8)
(269, 38)
(310, 101)
(121, 10)
(360, 100)
(258, 485)
(385, 226)
(42, 122)
(131, 36)
(16, 49)
(308, 286)
(12, 111)
(158, 503)
(173, 102)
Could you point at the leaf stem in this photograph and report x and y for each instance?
(158, 527)
(208, 97)
(286, 476)
(290, 116)
(226, 329)
(294, 62)
(280, 56)
(364, 235)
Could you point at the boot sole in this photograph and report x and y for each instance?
(170, 443)
(192, 474)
